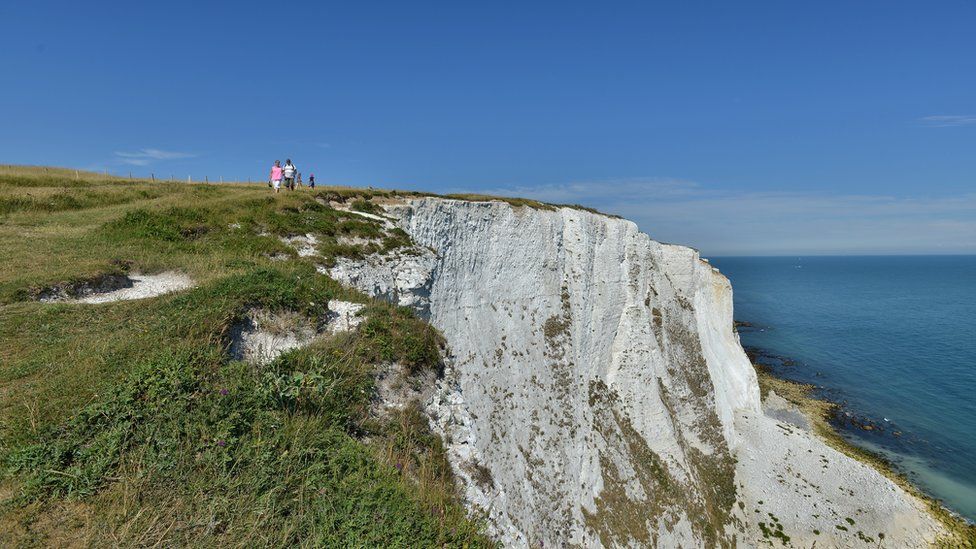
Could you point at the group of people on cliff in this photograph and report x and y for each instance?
(289, 175)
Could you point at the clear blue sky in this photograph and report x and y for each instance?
(737, 127)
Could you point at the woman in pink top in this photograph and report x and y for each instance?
(276, 175)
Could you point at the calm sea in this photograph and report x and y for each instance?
(891, 338)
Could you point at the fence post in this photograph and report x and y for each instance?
(153, 177)
(188, 180)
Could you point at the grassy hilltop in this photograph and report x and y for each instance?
(128, 423)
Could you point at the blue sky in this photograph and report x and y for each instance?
(738, 128)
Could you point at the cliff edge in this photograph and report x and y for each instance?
(596, 393)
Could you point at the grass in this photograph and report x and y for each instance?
(39, 176)
(525, 202)
(127, 423)
(206, 231)
(960, 534)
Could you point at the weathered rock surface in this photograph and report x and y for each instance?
(261, 336)
(304, 244)
(112, 288)
(400, 276)
(597, 394)
(343, 316)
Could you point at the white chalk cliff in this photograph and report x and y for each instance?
(596, 393)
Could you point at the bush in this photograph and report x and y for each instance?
(173, 224)
(395, 334)
(366, 206)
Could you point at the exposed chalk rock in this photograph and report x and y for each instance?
(387, 223)
(303, 244)
(343, 316)
(262, 335)
(402, 277)
(119, 288)
(579, 367)
(358, 241)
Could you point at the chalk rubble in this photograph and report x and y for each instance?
(123, 288)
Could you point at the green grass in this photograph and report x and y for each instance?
(127, 423)
(525, 202)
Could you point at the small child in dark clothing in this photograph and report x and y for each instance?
(311, 180)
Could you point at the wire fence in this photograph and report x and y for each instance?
(103, 174)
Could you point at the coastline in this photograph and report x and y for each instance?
(819, 411)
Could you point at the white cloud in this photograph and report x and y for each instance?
(944, 121)
(144, 157)
(755, 223)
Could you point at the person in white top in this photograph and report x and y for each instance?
(289, 173)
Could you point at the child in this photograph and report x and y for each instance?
(311, 181)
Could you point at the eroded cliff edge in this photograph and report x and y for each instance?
(596, 393)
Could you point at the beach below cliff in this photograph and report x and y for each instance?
(808, 415)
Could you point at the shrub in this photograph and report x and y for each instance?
(173, 224)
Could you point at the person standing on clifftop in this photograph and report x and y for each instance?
(289, 172)
(275, 176)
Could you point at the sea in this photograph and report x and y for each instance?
(892, 339)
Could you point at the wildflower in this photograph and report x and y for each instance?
(224, 392)
(221, 443)
(399, 466)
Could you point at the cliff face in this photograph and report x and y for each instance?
(596, 393)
